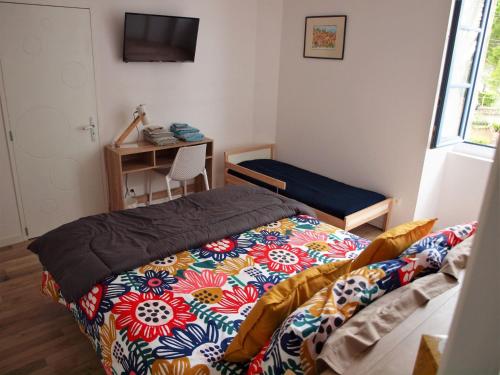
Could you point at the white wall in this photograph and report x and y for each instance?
(473, 346)
(452, 187)
(364, 120)
(215, 93)
(267, 67)
(228, 92)
(431, 184)
(231, 84)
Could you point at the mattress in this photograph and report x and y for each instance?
(320, 192)
(178, 314)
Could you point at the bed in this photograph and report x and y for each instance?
(336, 203)
(177, 313)
(207, 291)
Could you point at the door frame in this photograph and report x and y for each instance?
(4, 117)
(7, 128)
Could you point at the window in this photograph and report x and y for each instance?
(469, 99)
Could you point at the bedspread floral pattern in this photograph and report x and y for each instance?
(177, 315)
(295, 346)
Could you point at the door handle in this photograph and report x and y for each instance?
(91, 128)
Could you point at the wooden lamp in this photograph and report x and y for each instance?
(140, 116)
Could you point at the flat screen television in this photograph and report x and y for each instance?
(151, 37)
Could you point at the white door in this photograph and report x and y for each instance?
(10, 221)
(48, 98)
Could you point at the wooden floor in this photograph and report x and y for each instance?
(38, 336)
(367, 231)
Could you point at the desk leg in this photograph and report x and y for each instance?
(150, 187)
(209, 168)
(115, 181)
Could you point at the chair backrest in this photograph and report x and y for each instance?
(189, 162)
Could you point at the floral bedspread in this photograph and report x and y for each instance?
(296, 345)
(177, 315)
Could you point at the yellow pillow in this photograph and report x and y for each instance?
(276, 304)
(391, 244)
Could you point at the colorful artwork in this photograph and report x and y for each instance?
(324, 37)
(177, 315)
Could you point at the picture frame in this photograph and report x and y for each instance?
(324, 37)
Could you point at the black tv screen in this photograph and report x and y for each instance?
(159, 38)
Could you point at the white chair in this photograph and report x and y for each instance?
(188, 164)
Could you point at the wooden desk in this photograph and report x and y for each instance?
(124, 160)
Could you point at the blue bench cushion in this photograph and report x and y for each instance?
(323, 193)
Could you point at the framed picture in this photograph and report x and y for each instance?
(324, 37)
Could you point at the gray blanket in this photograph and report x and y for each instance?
(84, 252)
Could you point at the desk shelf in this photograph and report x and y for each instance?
(165, 158)
(135, 167)
(125, 160)
(164, 162)
(137, 162)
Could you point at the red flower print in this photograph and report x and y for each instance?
(308, 237)
(195, 281)
(458, 233)
(147, 315)
(231, 247)
(343, 249)
(407, 272)
(50, 287)
(255, 366)
(90, 302)
(204, 286)
(451, 237)
(281, 258)
(234, 301)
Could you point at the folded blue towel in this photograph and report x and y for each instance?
(194, 137)
(189, 130)
(182, 128)
(177, 125)
(186, 132)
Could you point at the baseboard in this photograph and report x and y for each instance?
(11, 240)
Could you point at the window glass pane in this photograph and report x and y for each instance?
(452, 114)
(484, 121)
(463, 57)
(460, 96)
(472, 13)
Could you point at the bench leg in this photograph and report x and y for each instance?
(387, 217)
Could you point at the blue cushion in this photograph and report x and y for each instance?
(323, 193)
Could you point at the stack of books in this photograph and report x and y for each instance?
(159, 136)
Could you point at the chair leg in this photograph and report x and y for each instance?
(169, 193)
(205, 178)
(184, 188)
